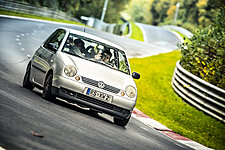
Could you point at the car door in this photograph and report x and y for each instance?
(43, 57)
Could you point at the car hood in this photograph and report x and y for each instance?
(98, 72)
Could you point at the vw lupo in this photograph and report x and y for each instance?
(84, 69)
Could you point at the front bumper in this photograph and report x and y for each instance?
(72, 90)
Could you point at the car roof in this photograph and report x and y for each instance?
(91, 36)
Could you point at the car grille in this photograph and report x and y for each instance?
(95, 83)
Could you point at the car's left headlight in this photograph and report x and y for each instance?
(130, 91)
(70, 71)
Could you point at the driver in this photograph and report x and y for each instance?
(105, 56)
(71, 47)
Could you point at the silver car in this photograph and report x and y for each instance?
(86, 70)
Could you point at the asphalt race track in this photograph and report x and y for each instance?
(29, 122)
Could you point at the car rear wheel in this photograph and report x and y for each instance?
(26, 82)
(121, 122)
(46, 94)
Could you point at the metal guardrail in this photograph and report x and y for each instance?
(40, 11)
(199, 93)
(43, 11)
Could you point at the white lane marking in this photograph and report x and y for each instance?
(17, 36)
(19, 43)
(22, 49)
(194, 145)
(28, 56)
(144, 128)
(22, 34)
(17, 39)
(34, 32)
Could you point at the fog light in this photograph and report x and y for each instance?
(77, 78)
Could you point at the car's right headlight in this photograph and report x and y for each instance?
(70, 71)
(130, 91)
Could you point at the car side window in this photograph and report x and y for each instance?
(123, 65)
(56, 38)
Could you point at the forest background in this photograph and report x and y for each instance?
(192, 14)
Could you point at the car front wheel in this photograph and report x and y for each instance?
(26, 82)
(121, 122)
(46, 94)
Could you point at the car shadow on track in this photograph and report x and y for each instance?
(72, 106)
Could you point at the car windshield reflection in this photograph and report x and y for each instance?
(96, 52)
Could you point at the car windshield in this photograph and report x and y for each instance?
(97, 52)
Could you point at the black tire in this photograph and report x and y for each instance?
(26, 82)
(46, 94)
(121, 122)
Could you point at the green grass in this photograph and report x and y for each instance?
(13, 13)
(136, 33)
(157, 99)
(185, 38)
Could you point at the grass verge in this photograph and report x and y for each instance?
(136, 33)
(13, 13)
(157, 99)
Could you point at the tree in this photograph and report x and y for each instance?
(204, 56)
(159, 10)
(78, 8)
(94, 8)
(138, 11)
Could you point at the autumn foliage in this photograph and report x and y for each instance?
(204, 56)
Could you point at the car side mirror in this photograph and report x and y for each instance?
(136, 75)
(52, 47)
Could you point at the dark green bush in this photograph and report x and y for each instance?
(204, 55)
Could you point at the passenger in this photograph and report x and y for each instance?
(106, 55)
(91, 51)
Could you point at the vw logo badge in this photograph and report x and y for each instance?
(101, 85)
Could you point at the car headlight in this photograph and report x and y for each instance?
(130, 91)
(70, 71)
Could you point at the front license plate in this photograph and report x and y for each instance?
(98, 95)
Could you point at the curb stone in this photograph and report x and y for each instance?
(137, 114)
